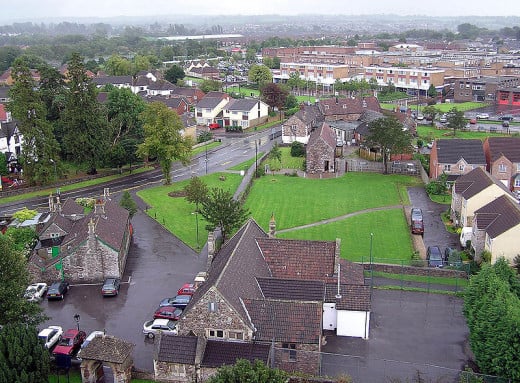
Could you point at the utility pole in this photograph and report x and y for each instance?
(206, 160)
(256, 159)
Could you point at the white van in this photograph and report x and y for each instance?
(465, 236)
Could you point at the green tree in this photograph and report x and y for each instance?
(15, 278)
(24, 239)
(387, 133)
(432, 92)
(39, 148)
(456, 120)
(244, 371)
(52, 92)
(141, 63)
(86, 136)
(430, 111)
(297, 149)
(174, 73)
(221, 210)
(251, 55)
(3, 165)
(210, 85)
(163, 139)
(196, 192)
(24, 214)
(276, 62)
(23, 358)
(7, 56)
(295, 82)
(276, 153)
(260, 74)
(128, 203)
(117, 65)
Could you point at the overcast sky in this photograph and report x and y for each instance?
(17, 10)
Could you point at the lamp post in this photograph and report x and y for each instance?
(197, 225)
(371, 269)
(206, 159)
(76, 318)
(55, 171)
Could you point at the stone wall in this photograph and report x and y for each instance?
(200, 319)
(306, 361)
(174, 372)
(317, 155)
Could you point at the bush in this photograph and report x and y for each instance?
(297, 149)
(204, 136)
(234, 129)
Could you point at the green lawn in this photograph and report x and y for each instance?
(288, 161)
(429, 132)
(246, 164)
(175, 213)
(298, 201)
(391, 241)
(444, 199)
(203, 148)
(442, 108)
(449, 281)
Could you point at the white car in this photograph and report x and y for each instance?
(50, 336)
(482, 116)
(159, 326)
(87, 340)
(420, 117)
(35, 292)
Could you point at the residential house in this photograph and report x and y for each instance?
(209, 110)
(82, 247)
(178, 104)
(6, 78)
(456, 157)
(192, 95)
(205, 72)
(503, 160)
(321, 151)
(116, 81)
(278, 293)
(347, 109)
(4, 94)
(471, 191)
(496, 228)
(160, 88)
(245, 112)
(10, 140)
(299, 126)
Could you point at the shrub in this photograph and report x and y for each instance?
(204, 136)
(297, 149)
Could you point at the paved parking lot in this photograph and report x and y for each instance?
(158, 264)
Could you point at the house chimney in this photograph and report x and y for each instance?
(272, 227)
(364, 103)
(106, 192)
(51, 203)
(99, 207)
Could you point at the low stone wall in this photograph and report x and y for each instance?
(411, 270)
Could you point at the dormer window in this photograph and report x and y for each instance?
(502, 168)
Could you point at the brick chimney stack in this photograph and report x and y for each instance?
(272, 227)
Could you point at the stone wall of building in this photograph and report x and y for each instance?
(174, 372)
(304, 359)
(317, 155)
(213, 312)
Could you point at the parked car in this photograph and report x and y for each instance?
(213, 126)
(167, 312)
(50, 336)
(444, 118)
(417, 227)
(159, 326)
(110, 287)
(57, 290)
(416, 214)
(434, 256)
(187, 289)
(505, 123)
(35, 292)
(179, 301)
(420, 117)
(506, 117)
(452, 257)
(472, 121)
(70, 342)
(88, 339)
(482, 116)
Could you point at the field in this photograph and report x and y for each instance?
(287, 162)
(428, 133)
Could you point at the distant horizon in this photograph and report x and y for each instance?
(52, 10)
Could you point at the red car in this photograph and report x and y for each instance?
(70, 342)
(214, 126)
(187, 289)
(167, 312)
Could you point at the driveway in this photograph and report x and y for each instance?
(409, 332)
(435, 233)
(158, 264)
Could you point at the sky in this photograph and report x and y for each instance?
(30, 10)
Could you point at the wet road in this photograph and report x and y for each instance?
(435, 233)
(158, 264)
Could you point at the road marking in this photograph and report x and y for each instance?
(225, 163)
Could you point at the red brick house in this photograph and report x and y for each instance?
(455, 157)
(503, 160)
(347, 109)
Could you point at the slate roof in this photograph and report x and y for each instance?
(218, 353)
(7, 129)
(177, 349)
(108, 348)
(353, 297)
(285, 321)
(472, 183)
(310, 115)
(344, 106)
(323, 133)
(161, 85)
(450, 151)
(507, 146)
(498, 216)
(235, 267)
(290, 289)
(242, 104)
(170, 102)
(71, 207)
(209, 102)
(114, 80)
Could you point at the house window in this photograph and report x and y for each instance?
(212, 307)
(461, 167)
(502, 168)
(239, 335)
(290, 349)
(447, 167)
(55, 235)
(215, 333)
(517, 183)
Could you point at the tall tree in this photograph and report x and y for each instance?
(196, 192)
(388, 134)
(52, 91)
(274, 95)
(13, 269)
(430, 111)
(23, 358)
(174, 74)
(221, 210)
(260, 74)
(39, 148)
(163, 139)
(117, 65)
(456, 120)
(86, 136)
(128, 203)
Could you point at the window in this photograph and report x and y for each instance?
(215, 333)
(290, 349)
(502, 168)
(461, 167)
(212, 307)
(239, 335)
(517, 183)
(447, 167)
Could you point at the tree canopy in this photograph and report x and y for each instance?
(196, 191)
(274, 95)
(163, 139)
(260, 74)
(174, 74)
(456, 120)
(244, 371)
(388, 134)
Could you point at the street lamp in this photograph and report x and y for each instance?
(76, 318)
(206, 159)
(55, 171)
(371, 268)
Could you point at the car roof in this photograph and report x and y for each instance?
(70, 332)
(161, 321)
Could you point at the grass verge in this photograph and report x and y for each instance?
(246, 164)
(428, 133)
(422, 279)
(287, 162)
(444, 199)
(419, 290)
